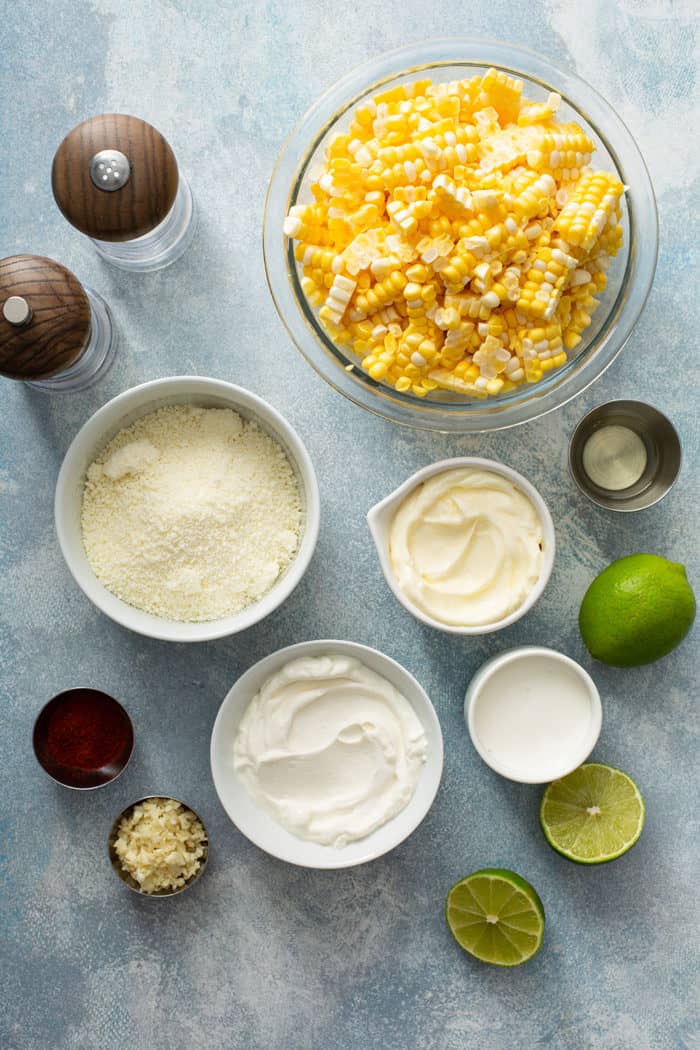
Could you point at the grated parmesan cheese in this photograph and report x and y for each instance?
(191, 513)
(160, 844)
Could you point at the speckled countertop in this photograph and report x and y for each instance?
(262, 955)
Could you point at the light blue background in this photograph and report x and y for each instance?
(262, 955)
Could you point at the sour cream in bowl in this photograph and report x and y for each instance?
(533, 714)
(326, 754)
(466, 545)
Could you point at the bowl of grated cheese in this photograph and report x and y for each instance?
(187, 509)
(459, 236)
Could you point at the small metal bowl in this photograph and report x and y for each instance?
(128, 879)
(662, 446)
(81, 778)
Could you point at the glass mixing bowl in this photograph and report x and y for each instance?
(629, 278)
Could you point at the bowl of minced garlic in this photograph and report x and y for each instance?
(158, 846)
(187, 509)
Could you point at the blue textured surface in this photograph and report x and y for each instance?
(260, 954)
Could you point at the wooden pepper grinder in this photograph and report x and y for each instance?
(55, 333)
(115, 178)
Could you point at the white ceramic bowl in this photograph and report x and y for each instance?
(554, 724)
(380, 517)
(121, 412)
(266, 833)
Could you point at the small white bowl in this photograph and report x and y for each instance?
(381, 516)
(265, 832)
(121, 412)
(552, 726)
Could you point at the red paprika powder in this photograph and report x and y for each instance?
(83, 737)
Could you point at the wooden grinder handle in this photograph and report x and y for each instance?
(147, 182)
(46, 325)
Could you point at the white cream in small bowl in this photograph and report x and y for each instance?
(329, 748)
(533, 714)
(466, 545)
(326, 754)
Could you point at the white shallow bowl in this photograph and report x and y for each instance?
(121, 412)
(564, 747)
(265, 832)
(381, 516)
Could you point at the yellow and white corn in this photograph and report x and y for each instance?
(456, 237)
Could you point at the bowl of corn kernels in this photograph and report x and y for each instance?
(459, 236)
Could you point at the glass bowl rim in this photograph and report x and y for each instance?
(477, 415)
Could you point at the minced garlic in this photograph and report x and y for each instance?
(160, 844)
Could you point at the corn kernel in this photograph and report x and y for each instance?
(456, 237)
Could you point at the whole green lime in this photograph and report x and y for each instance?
(637, 610)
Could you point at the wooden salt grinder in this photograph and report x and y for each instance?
(115, 178)
(54, 332)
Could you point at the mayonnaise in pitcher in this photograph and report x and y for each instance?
(466, 547)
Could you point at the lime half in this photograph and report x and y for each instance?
(592, 815)
(496, 916)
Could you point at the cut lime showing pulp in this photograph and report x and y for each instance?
(592, 815)
(496, 916)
